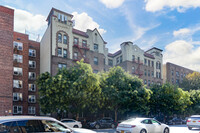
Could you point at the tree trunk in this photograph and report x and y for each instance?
(116, 115)
(77, 116)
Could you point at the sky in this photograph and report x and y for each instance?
(170, 25)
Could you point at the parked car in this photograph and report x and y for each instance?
(105, 122)
(175, 121)
(32, 124)
(72, 123)
(193, 122)
(142, 125)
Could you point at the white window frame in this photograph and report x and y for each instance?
(60, 54)
(31, 110)
(32, 52)
(17, 71)
(32, 64)
(18, 96)
(18, 58)
(17, 86)
(31, 98)
(18, 45)
(30, 75)
(18, 109)
(32, 87)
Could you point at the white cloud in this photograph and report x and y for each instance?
(25, 20)
(180, 5)
(112, 3)
(181, 32)
(183, 53)
(84, 22)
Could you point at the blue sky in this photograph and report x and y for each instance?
(171, 25)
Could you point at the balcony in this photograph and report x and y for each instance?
(82, 46)
(138, 72)
(78, 58)
(140, 62)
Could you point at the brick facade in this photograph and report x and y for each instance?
(6, 60)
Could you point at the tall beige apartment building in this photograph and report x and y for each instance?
(62, 45)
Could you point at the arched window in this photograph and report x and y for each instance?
(59, 38)
(65, 39)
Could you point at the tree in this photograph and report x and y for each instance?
(122, 92)
(72, 89)
(191, 81)
(168, 99)
(194, 108)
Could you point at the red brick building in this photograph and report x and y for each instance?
(19, 63)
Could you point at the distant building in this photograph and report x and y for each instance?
(62, 45)
(147, 65)
(19, 63)
(174, 74)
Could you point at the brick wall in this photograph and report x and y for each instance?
(6, 60)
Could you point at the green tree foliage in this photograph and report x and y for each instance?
(191, 81)
(194, 108)
(168, 99)
(123, 93)
(72, 89)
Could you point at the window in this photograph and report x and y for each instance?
(149, 82)
(32, 64)
(76, 41)
(177, 74)
(95, 71)
(59, 37)
(117, 60)
(152, 63)
(152, 74)
(59, 16)
(60, 65)
(18, 58)
(32, 52)
(110, 62)
(31, 110)
(96, 47)
(133, 57)
(31, 99)
(145, 72)
(84, 43)
(172, 80)
(17, 96)
(18, 45)
(65, 39)
(31, 87)
(65, 19)
(157, 75)
(145, 81)
(17, 109)
(133, 69)
(145, 61)
(172, 72)
(17, 71)
(65, 53)
(95, 60)
(59, 51)
(75, 55)
(121, 59)
(177, 81)
(148, 62)
(149, 73)
(31, 75)
(138, 59)
(17, 84)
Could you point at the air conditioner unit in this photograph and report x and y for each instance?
(16, 73)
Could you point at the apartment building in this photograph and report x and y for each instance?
(62, 45)
(19, 63)
(174, 74)
(147, 65)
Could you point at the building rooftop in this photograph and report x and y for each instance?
(81, 33)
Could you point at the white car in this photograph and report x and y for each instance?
(72, 123)
(142, 125)
(193, 122)
(32, 124)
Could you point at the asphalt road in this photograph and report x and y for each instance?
(173, 129)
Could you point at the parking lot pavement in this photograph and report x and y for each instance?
(173, 129)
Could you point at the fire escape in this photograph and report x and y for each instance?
(85, 47)
(138, 71)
